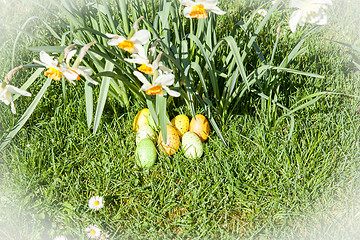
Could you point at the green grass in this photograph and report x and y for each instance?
(263, 187)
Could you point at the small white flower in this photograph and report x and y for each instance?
(60, 238)
(262, 12)
(93, 231)
(160, 83)
(6, 94)
(309, 11)
(198, 8)
(274, 1)
(96, 203)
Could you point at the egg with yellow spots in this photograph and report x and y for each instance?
(172, 143)
(200, 126)
(141, 119)
(181, 124)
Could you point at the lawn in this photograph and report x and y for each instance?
(277, 179)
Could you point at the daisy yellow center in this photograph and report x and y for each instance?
(146, 69)
(198, 11)
(53, 73)
(127, 46)
(92, 232)
(96, 203)
(78, 77)
(155, 90)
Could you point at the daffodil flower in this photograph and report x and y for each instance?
(146, 67)
(198, 8)
(47, 61)
(309, 11)
(160, 83)
(7, 91)
(56, 69)
(79, 70)
(132, 45)
(262, 12)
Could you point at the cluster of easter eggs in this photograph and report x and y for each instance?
(190, 135)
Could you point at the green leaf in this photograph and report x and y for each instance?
(89, 105)
(30, 81)
(104, 88)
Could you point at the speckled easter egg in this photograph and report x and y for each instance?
(141, 119)
(145, 131)
(172, 143)
(200, 125)
(145, 153)
(181, 124)
(192, 145)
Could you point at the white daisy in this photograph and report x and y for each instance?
(93, 231)
(96, 203)
(262, 12)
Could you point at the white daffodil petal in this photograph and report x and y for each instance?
(109, 35)
(165, 80)
(216, 10)
(141, 37)
(70, 76)
(187, 10)
(187, 2)
(89, 79)
(171, 92)
(15, 90)
(141, 78)
(13, 110)
(47, 59)
(41, 63)
(294, 20)
(164, 69)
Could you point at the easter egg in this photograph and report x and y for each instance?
(145, 153)
(145, 131)
(172, 143)
(192, 145)
(181, 124)
(200, 125)
(141, 119)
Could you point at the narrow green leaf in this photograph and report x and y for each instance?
(89, 104)
(26, 115)
(104, 88)
(30, 81)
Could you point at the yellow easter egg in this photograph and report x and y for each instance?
(141, 119)
(181, 124)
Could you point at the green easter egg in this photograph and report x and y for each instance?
(145, 153)
(192, 145)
